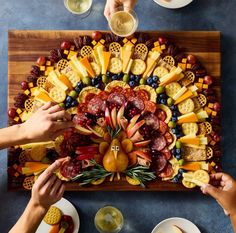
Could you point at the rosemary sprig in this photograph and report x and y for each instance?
(97, 172)
(113, 133)
(141, 173)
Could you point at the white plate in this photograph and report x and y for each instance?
(184, 224)
(173, 4)
(67, 208)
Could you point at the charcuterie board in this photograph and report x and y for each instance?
(25, 47)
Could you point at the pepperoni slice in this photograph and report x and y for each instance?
(152, 120)
(150, 106)
(143, 95)
(163, 127)
(70, 169)
(117, 89)
(103, 95)
(169, 138)
(159, 143)
(116, 98)
(167, 172)
(96, 105)
(166, 152)
(137, 103)
(161, 163)
(161, 114)
(128, 92)
(89, 96)
(80, 119)
(82, 108)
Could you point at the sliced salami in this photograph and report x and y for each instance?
(128, 93)
(103, 95)
(116, 89)
(80, 119)
(137, 103)
(167, 172)
(169, 138)
(150, 106)
(70, 169)
(163, 127)
(82, 108)
(161, 114)
(143, 95)
(161, 163)
(116, 98)
(96, 105)
(166, 152)
(159, 143)
(152, 121)
(89, 96)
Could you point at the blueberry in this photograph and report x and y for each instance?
(99, 78)
(114, 77)
(67, 105)
(80, 85)
(173, 108)
(175, 131)
(178, 135)
(132, 83)
(179, 175)
(137, 78)
(163, 101)
(120, 75)
(108, 74)
(132, 77)
(159, 100)
(175, 119)
(98, 85)
(94, 81)
(174, 152)
(154, 79)
(175, 113)
(78, 89)
(163, 95)
(149, 81)
(178, 151)
(181, 171)
(74, 103)
(178, 157)
(175, 179)
(154, 85)
(69, 99)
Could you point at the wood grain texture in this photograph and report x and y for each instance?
(24, 47)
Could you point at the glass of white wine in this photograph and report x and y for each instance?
(79, 7)
(123, 22)
(109, 220)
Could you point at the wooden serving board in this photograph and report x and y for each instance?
(24, 47)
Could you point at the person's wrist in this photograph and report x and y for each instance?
(38, 207)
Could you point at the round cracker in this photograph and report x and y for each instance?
(202, 176)
(116, 83)
(172, 89)
(115, 65)
(138, 67)
(188, 184)
(160, 71)
(57, 94)
(186, 106)
(190, 128)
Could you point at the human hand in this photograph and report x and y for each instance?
(224, 192)
(111, 6)
(47, 123)
(48, 189)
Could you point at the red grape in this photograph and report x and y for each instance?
(65, 45)
(24, 85)
(41, 61)
(11, 112)
(216, 137)
(217, 106)
(96, 35)
(162, 40)
(208, 80)
(191, 59)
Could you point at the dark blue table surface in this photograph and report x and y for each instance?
(142, 211)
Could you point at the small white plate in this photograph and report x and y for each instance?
(173, 4)
(67, 208)
(184, 224)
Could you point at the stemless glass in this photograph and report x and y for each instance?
(108, 220)
(122, 22)
(79, 7)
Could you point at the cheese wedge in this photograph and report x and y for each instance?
(168, 78)
(202, 115)
(126, 56)
(190, 140)
(179, 93)
(129, 66)
(78, 66)
(99, 51)
(188, 118)
(53, 78)
(66, 81)
(85, 62)
(151, 64)
(186, 95)
(43, 97)
(192, 166)
(33, 167)
(105, 62)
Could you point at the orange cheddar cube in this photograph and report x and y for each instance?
(43, 97)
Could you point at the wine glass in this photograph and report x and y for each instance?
(79, 7)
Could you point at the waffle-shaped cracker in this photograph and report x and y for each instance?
(209, 152)
(29, 103)
(41, 81)
(62, 64)
(86, 51)
(28, 182)
(202, 100)
(53, 216)
(114, 48)
(189, 78)
(169, 60)
(141, 51)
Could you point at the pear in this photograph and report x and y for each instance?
(115, 159)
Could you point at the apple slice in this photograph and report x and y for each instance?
(108, 117)
(87, 150)
(94, 132)
(137, 137)
(83, 130)
(176, 229)
(120, 114)
(133, 159)
(133, 129)
(124, 123)
(133, 121)
(113, 117)
(143, 155)
(142, 143)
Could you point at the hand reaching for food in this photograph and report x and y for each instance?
(111, 6)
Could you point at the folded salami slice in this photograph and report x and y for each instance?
(96, 105)
(159, 143)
